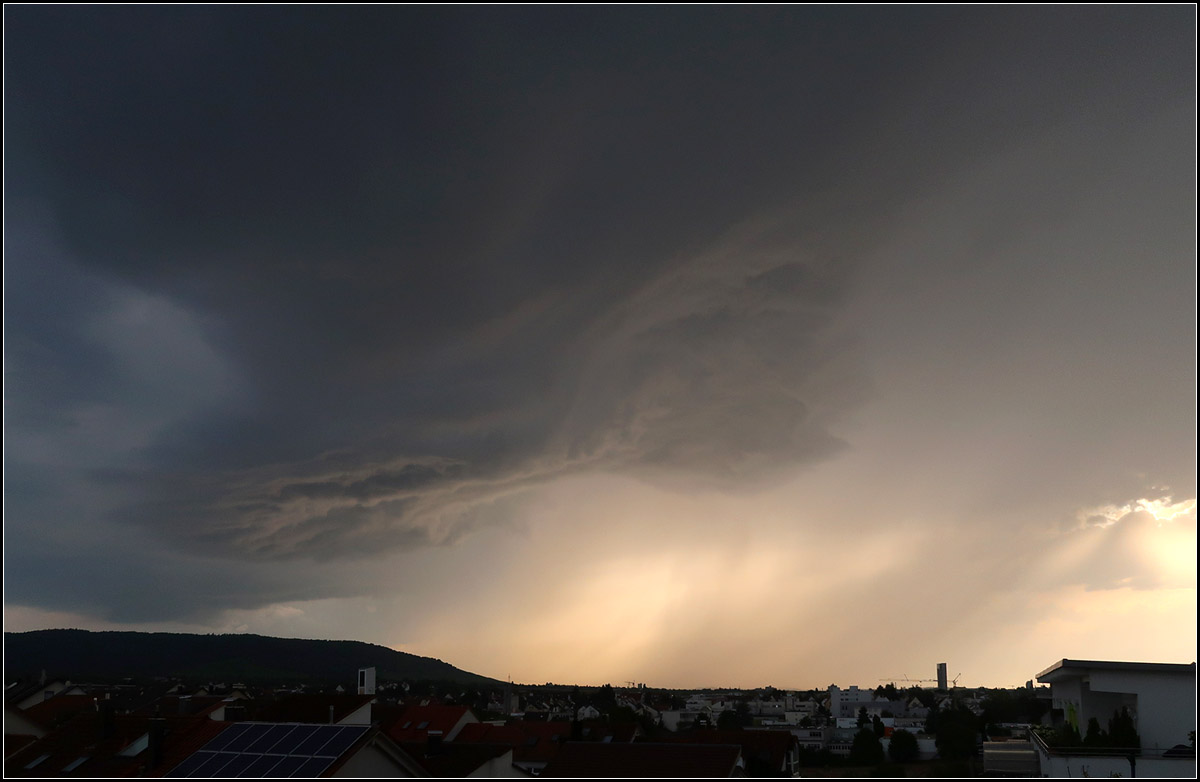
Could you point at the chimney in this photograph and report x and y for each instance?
(158, 728)
(331, 714)
(433, 742)
(185, 704)
(235, 712)
(107, 720)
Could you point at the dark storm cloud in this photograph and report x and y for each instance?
(388, 264)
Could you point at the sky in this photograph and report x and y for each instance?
(700, 347)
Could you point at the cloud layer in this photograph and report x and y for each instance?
(424, 294)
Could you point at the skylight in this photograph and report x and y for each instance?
(76, 763)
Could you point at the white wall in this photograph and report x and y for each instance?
(1166, 703)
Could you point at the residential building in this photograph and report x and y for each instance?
(1160, 697)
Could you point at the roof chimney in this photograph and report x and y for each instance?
(107, 720)
(433, 742)
(331, 714)
(158, 728)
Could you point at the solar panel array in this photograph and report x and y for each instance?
(268, 749)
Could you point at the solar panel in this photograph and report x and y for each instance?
(287, 766)
(313, 744)
(288, 743)
(212, 767)
(268, 749)
(269, 738)
(253, 732)
(226, 736)
(342, 741)
(313, 767)
(239, 764)
(261, 767)
(190, 764)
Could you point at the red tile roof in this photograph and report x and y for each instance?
(416, 722)
(588, 759)
(53, 712)
(83, 737)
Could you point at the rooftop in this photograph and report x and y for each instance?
(1066, 667)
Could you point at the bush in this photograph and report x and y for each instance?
(866, 748)
(903, 747)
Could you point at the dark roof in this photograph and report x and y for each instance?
(588, 759)
(765, 750)
(175, 704)
(451, 759)
(617, 732)
(310, 708)
(531, 742)
(1066, 667)
(13, 742)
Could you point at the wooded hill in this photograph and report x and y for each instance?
(82, 655)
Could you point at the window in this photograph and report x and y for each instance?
(37, 760)
(76, 763)
(136, 747)
(362, 678)
(423, 725)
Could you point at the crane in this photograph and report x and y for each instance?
(906, 679)
(954, 681)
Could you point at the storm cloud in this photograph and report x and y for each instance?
(295, 293)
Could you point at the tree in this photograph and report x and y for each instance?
(931, 720)
(728, 720)
(877, 726)
(903, 746)
(866, 748)
(863, 719)
(1095, 737)
(1121, 730)
(957, 729)
(744, 718)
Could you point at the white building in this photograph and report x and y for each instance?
(1161, 698)
(846, 703)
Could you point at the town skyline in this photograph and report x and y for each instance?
(608, 343)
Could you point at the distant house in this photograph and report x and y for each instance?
(23, 695)
(1160, 697)
(587, 712)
